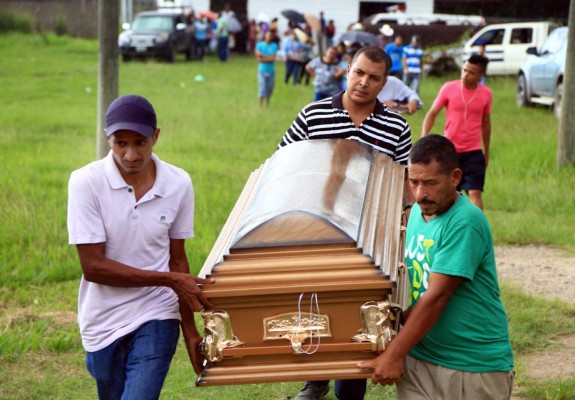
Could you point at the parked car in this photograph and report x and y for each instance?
(505, 44)
(159, 34)
(540, 77)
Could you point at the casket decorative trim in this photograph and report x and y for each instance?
(296, 328)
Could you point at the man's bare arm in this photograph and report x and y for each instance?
(429, 120)
(98, 268)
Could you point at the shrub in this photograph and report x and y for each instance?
(16, 22)
(60, 27)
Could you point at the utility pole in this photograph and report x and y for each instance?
(108, 30)
(566, 139)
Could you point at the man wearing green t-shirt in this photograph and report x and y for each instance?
(454, 343)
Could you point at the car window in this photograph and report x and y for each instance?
(521, 35)
(153, 23)
(493, 36)
(554, 41)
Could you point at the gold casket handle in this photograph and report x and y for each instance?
(379, 324)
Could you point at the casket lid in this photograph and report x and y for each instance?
(318, 192)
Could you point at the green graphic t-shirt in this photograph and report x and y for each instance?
(472, 333)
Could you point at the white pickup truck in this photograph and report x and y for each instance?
(506, 44)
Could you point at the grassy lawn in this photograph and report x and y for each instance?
(216, 131)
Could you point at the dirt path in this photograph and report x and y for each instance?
(541, 271)
(548, 273)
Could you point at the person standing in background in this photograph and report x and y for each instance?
(467, 123)
(326, 73)
(201, 35)
(321, 33)
(385, 36)
(242, 36)
(329, 33)
(307, 50)
(223, 37)
(213, 36)
(274, 29)
(253, 35)
(413, 63)
(266, 56)
(293, 52)
(395, 51)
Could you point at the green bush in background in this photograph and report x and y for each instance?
(60, 26)
(16, 22)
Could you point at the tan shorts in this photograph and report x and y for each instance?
(426, 381)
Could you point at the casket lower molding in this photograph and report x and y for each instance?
(308, 268)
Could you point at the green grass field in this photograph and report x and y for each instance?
(216, 131)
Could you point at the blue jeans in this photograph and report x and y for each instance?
(223, 50)
(200, 49)
(292, 69)
(412, 80)
(266, 83)
(135, 366)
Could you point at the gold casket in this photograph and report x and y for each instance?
(308, 268)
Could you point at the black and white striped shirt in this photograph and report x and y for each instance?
(384, 130)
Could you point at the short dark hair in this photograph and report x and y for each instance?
(478, 59)
(375, 54)
(435, 148)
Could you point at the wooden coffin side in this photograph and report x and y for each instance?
(255, 286)
(265, 370)
(294, 270)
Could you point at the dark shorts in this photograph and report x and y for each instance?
(472, 163)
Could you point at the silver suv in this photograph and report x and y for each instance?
(540, 77)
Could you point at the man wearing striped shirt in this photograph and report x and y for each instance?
(355, 114)
(413, 63)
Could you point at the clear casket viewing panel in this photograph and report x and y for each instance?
(325, 180)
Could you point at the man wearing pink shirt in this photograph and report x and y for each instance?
(467, 123)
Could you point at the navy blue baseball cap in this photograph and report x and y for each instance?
(132, 113)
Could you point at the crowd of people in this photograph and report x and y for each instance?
(328, 71)
(223, 32)
(130, 213)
